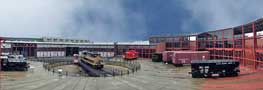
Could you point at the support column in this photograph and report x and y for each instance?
(254, 45)
(0, 53)
(115, 49)
(223, 41)
(214, 45)
(0, 46)
(243, 45)
(233, 46)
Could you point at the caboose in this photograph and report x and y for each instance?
(130, 54)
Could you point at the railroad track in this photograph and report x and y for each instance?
(94, 72)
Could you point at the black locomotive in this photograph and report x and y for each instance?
(13, 63)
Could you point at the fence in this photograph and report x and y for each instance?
(50, 63)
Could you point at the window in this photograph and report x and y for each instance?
(218, 35)
(228, 34)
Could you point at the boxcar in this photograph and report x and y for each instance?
(185, 57)
(211, 68)
(157, 57)
(167, 56)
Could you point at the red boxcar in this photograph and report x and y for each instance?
(130, 54)
(185, 57)
(167, 56)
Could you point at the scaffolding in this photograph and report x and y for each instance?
(243, 43)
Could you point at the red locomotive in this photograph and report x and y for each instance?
(130, 54)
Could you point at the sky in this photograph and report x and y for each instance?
(122, 20)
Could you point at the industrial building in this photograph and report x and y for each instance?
(242, 43)
(58, 47)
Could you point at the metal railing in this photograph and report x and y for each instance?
(50, 65)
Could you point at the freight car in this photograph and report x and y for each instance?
(180, 58)
(13, 63)
(211, 68)
(157, 57)
(130, 54)
(167, 56)
(94, 60)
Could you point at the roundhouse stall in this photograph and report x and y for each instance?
(211, 68)
(167, 56)
(76, 58)
(180, 58)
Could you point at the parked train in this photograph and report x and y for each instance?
(179, 58)
(94, 60)
(167, 56)
(13, 63)
(211, 68)
(130, 54)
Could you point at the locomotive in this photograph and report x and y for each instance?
(94, 60)
(13, 63)
(130, 54)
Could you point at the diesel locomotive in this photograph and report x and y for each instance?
(94, 60)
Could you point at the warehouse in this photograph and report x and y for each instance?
(52, 47)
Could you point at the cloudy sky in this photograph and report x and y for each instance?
(121, 20)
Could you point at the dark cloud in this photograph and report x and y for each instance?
(219, 14)
(121, 20)
(98, 20)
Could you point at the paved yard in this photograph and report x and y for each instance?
(152, 76)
